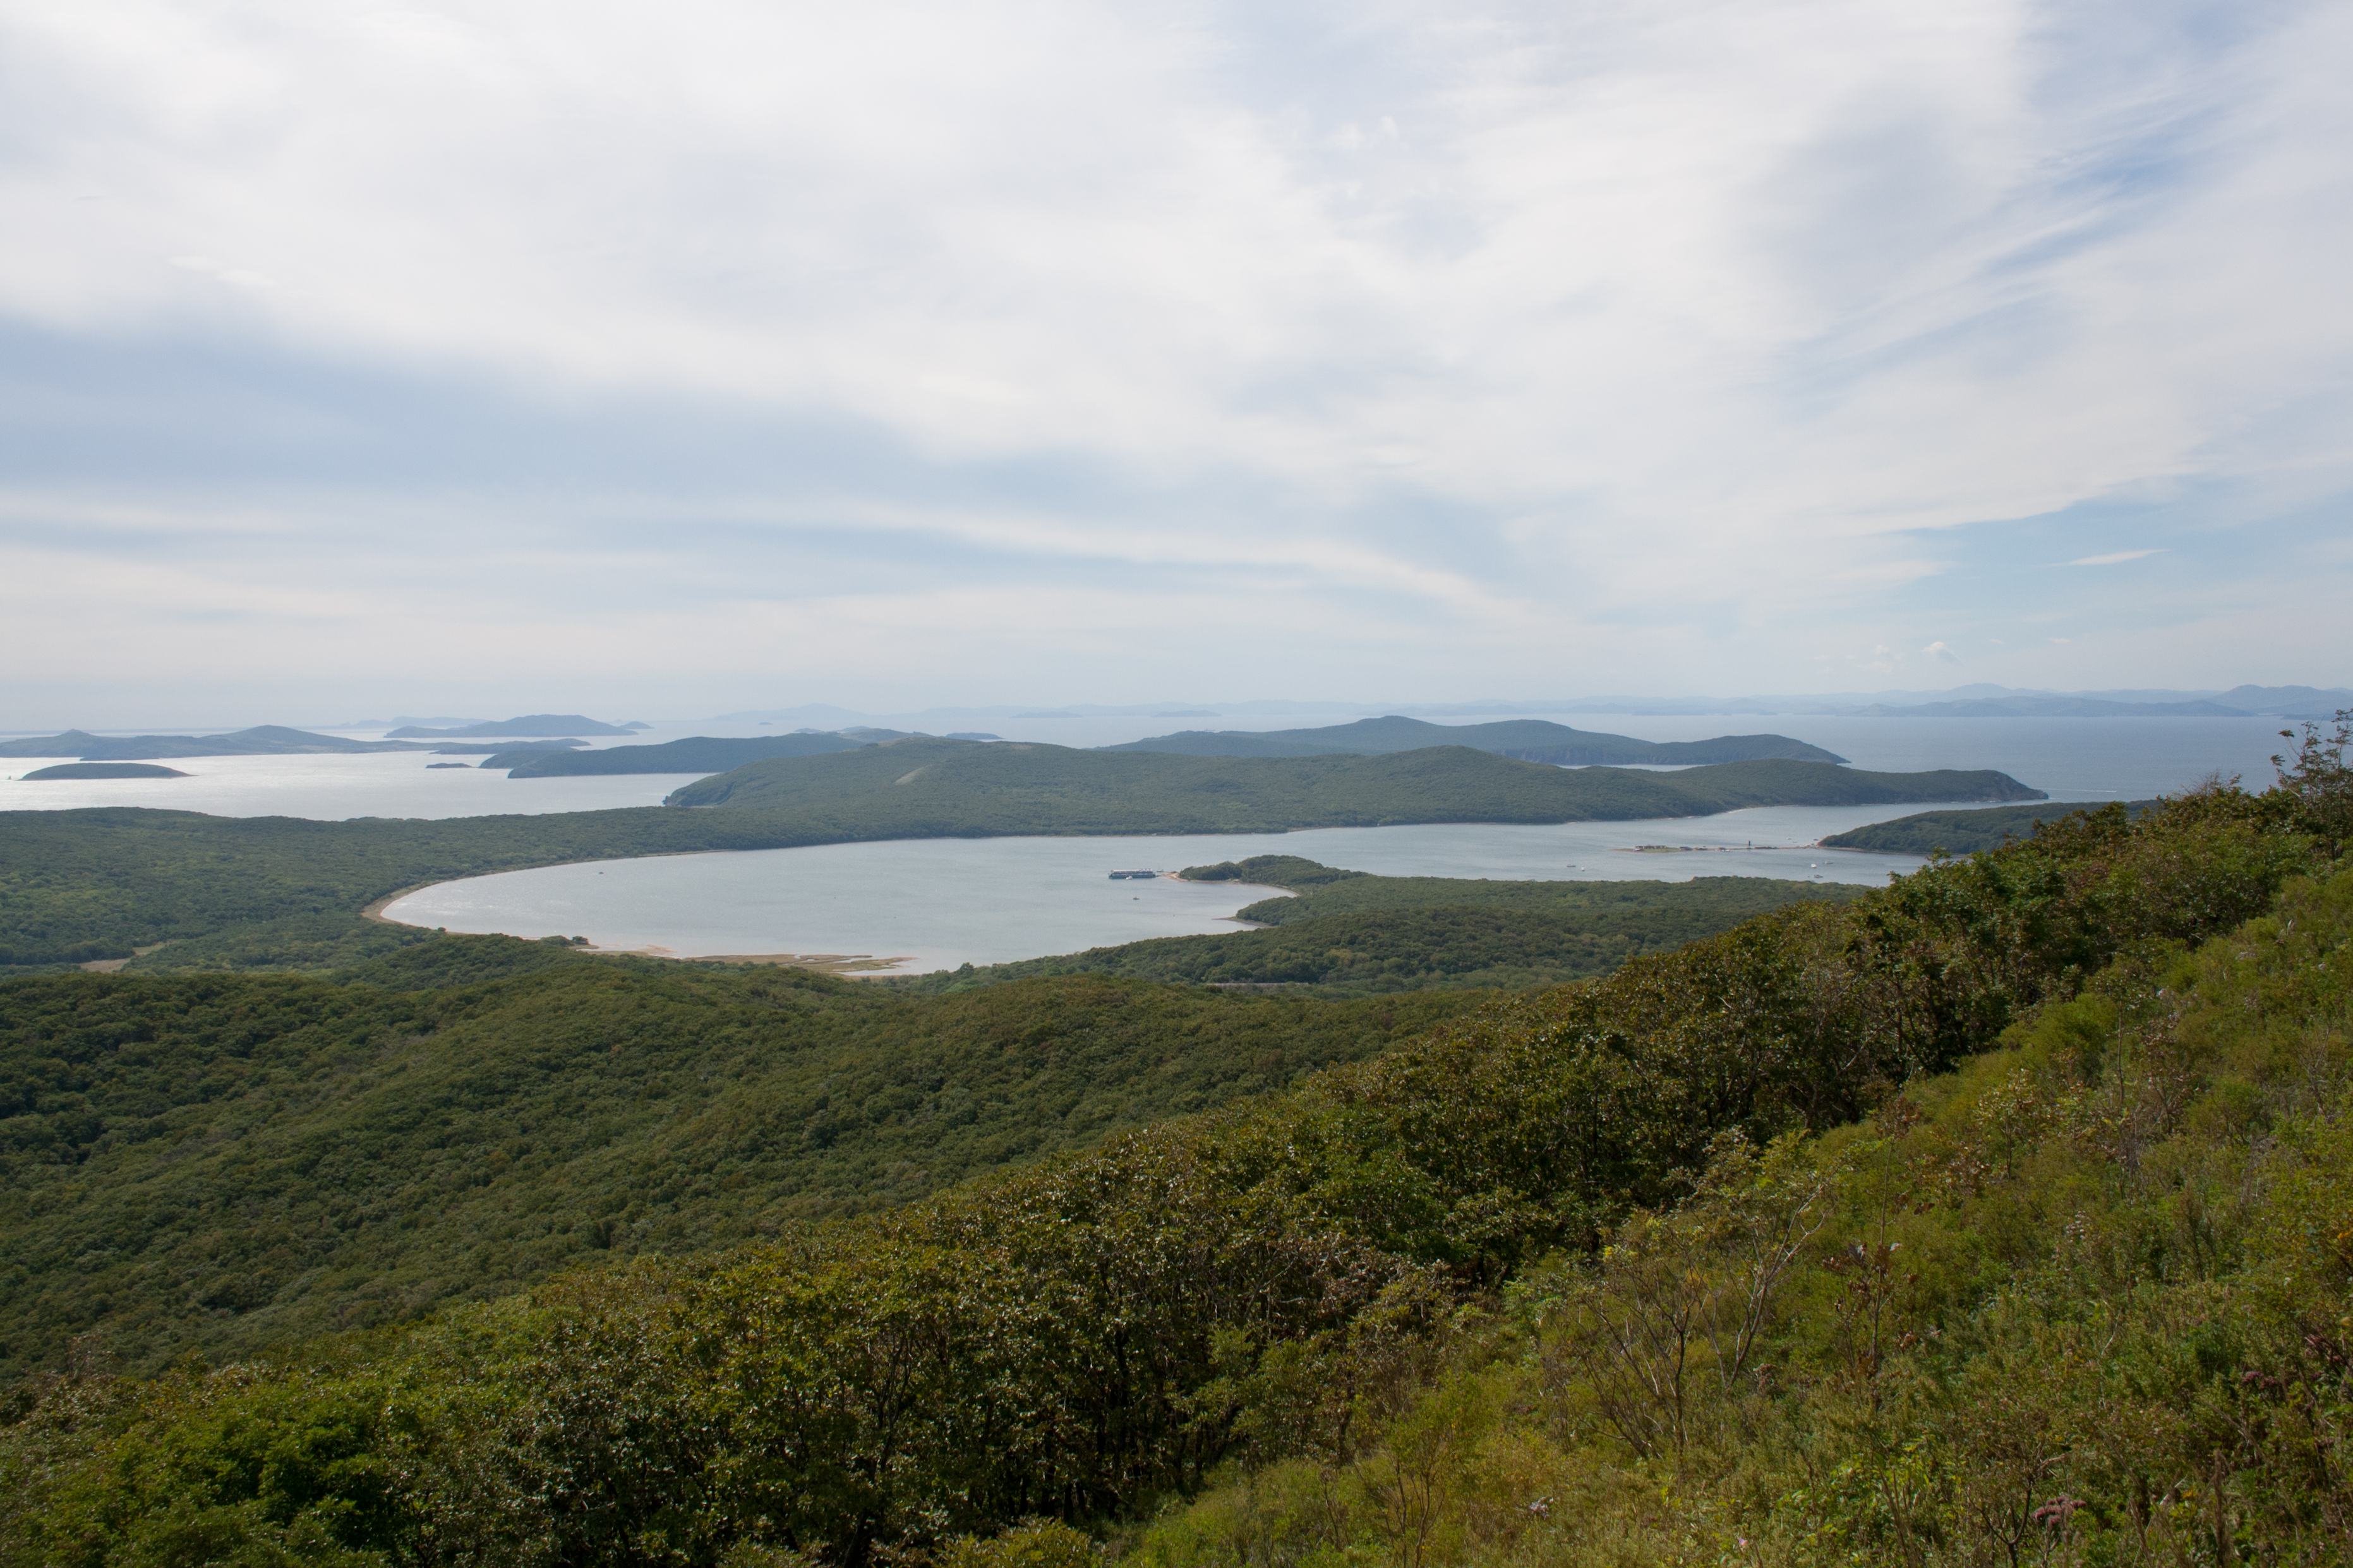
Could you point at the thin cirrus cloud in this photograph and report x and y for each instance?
(1411, 348)
(2113, 557)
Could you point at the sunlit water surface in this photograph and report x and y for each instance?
(936, 903)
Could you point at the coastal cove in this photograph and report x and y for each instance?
(938, 904)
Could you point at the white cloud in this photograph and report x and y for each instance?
(1941, 652)
(1550, 321)
(2115, 558)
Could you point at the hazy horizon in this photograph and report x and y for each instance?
(1260, 712)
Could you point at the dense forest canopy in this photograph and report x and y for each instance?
(1998, 1216)
(1958, 832)
(967, 787)
(1351, 934)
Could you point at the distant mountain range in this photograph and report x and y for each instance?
(528, 726)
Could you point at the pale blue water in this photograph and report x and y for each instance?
(938, 903)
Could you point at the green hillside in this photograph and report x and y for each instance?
(1994, 1216)
(922, 787)
(1318, 890)
(1354, 934)
(1531, 740)
(99, 883)
(215, 1162)
(1958, 832)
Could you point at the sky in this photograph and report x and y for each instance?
(475, 358)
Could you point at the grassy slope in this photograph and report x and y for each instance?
(1959, 832)
(2106, 1263)
(2110, 1266)
(217, 1162)
(1357, 934)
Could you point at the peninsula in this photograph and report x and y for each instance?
(921, 787)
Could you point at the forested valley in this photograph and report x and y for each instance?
(2002, 1214)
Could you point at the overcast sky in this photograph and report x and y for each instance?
(551, 354)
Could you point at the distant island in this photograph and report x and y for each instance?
(1527, 740)
(107, 771)
(922, 787)
(490, 748)
(528, 725)
(261, 740)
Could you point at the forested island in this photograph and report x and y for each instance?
(1996, 1215)
(1529, 740)
(940, 786)
(105, 771)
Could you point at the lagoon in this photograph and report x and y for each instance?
(936, 903)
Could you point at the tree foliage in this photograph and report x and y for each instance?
(1999, 1215)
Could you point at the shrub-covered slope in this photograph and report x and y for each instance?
(215, 1162)
(1300, 1312)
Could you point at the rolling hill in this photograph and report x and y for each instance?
(1530, 740)
(925, 788)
